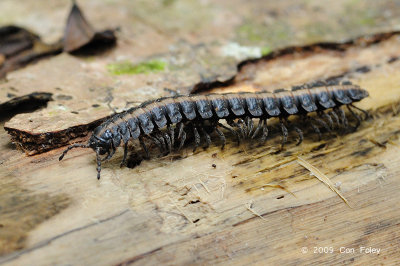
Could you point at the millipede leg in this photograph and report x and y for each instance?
(361, 110)
(125, 154)
(328, 118)
(250, 126)
(284, 132)
(196, 138)
(259, 127)
(158, 143)
(335, 117)
(110, 154)
(161, 139)
(221, 136)
(144, 147)
(314, 127)
(234, 132)
(171, 132)
(342, 117)
(265, 131)
(300, 134)
(180, 129)
(322, 123)
(298, 131)
(182, 138)
(316, 130)
(357, 117)
(168, 145)
(208, 139)
(233, 124)
(243, 127)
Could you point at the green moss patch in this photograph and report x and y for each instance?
(126, 67)
(265, 50)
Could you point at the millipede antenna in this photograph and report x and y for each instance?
(77, 145)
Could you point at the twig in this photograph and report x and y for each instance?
(249, 206)
(322, 177)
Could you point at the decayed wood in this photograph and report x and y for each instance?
(185, 210)
(254, 206)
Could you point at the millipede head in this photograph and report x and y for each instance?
(101, 145)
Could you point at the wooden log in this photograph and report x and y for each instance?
(245, 204)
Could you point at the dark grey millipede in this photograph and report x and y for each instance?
(166, 120)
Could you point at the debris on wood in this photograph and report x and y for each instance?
(321, 177)
(20, 47)
(34, 143)
(32, 100)
(249, 206)
(80, 37)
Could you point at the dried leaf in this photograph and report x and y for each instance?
(78, 31)
(19, 47)
(14, 40)
(26, 101)
(79, 34)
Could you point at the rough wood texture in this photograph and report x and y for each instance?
(255, 205)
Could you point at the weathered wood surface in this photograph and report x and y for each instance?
(180, 209)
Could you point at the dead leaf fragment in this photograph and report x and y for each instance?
(14, 40)
(79, 33)
(25, 101)
(19, 47)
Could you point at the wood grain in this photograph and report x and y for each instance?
(256, 206)
(170, 210)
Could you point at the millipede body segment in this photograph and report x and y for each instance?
(167, 120)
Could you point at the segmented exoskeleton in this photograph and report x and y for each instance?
(166, 120)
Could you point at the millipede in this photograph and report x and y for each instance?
(166, 121)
